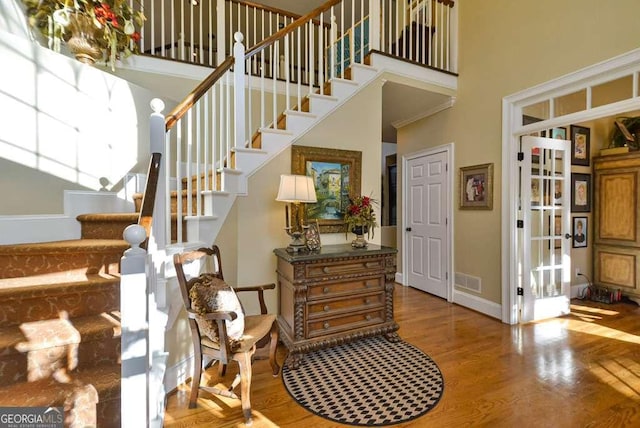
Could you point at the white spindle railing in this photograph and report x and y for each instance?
(197, 32)
(422, 31)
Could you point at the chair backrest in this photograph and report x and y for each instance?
(204, 260)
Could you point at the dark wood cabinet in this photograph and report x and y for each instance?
(335, 295)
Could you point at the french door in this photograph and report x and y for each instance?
(544, 228)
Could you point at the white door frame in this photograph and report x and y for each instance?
(448, 149)
(512, 107)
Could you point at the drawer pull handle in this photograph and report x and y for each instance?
(326, 308)
(326, 325)
(370, 265)
(325, 269)
(368, 317)
(367, 301)
(325, 290)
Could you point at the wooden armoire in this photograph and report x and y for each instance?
(616, 250)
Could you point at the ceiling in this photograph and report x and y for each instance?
(402, 103)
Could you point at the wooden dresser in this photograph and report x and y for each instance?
(335, 295)
(616, 250)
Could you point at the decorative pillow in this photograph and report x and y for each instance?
(210, 294)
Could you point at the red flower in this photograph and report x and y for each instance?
(135, 36)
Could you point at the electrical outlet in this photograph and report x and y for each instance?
(578, 272)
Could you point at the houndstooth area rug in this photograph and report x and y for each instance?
(370, 382)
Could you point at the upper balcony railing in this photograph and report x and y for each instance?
(201, 32)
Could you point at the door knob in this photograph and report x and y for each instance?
(408, 229)
(567, 235)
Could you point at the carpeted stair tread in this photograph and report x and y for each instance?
(58, 332)
(26, 300)
(51, 284)
(67, 246)
(108, 217)
(83, 385)
(105, 225)
(73, 258)
(36, 350)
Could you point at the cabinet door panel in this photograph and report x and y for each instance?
(617, 206)
(616, 268)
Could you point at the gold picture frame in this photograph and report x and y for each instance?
(336, 175)
(476, 187)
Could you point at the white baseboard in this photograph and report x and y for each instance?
(178, 374)
(399, 278)
(476, 303)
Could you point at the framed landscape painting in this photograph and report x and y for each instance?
(336, 175)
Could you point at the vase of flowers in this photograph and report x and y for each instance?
(360, 219)
(93, 29)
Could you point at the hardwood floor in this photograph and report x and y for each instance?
(581, 370)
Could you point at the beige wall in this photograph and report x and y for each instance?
(507, 46)
(260, 218)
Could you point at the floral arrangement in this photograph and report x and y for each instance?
(360, 212)
(113, 23)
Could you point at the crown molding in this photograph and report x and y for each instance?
(437, 109)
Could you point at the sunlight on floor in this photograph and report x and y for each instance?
(213, 410)
(592, 310)
(600, 330)
(622, 374)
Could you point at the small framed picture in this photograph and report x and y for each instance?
(476, 187)
(557, 192)
(535, 192)
(559, 133)
(580, 232)
(580, 145)
(580, 193)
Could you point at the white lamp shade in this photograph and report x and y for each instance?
(296, 188)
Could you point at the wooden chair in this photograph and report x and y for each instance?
(259, 330)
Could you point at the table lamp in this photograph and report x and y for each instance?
(295, 189)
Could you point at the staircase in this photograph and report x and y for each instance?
(60, 323)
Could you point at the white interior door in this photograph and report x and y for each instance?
(544, 238)
(426, 225)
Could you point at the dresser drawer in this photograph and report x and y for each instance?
(338, 324)
(346, 287)
(326, 308)
(344, 267)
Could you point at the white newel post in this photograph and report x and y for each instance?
(134, 394)
(238, 89)
(156, 296)
(374, 25)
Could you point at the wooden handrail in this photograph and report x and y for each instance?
(145, 218)
(193, 97)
